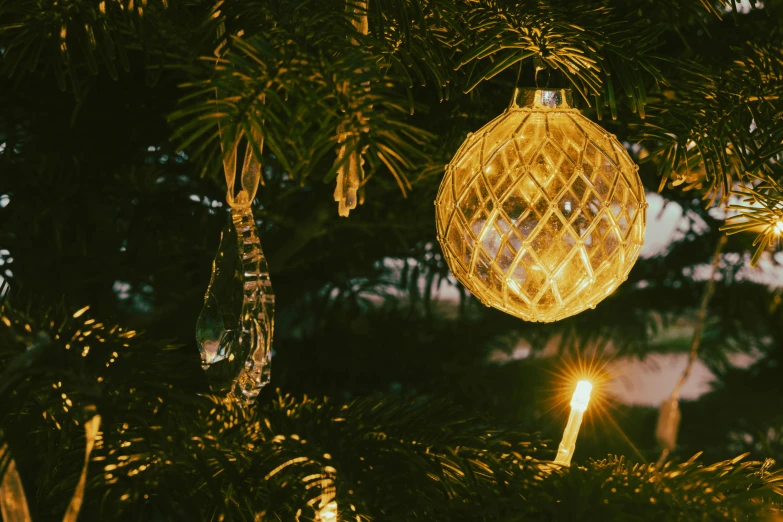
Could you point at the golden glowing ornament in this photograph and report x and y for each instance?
(235, 327)
(541, 213)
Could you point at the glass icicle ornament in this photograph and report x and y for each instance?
(350, 174)
(350, 160)
(235, 327)
(541, 213)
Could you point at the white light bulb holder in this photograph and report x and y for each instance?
(581, 396)
(579, 402)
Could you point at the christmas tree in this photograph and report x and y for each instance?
(395, 393)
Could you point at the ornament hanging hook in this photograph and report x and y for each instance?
(250, 175)
(541, 65)
(519, 73)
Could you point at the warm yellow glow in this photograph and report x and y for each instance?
(578, 406)
(581, 395)
(328, 513)
(596, 364)
(779, 226)
(541, 213)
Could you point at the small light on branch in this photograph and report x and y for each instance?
(579, 402)
(328, 512)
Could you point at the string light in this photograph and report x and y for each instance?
(328, 512)
(579, 403)
(669, 414)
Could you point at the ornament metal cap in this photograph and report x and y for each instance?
(542, 98)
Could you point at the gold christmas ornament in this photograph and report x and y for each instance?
(541, 213)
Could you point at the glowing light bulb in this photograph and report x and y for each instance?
(581, 395)
(779, 226)
(328, 513)
(579, 402)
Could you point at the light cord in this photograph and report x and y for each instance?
(669, 416)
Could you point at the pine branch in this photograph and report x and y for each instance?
(166, 453)
(620, 490)
(76, 39)
(301, 100)
(720, 132)
(593, 47)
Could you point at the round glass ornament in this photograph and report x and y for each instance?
(541, 213)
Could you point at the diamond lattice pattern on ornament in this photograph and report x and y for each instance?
(541, 213)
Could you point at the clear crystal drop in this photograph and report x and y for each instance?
(235, 327)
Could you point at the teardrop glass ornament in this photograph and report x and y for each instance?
(235, 327)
